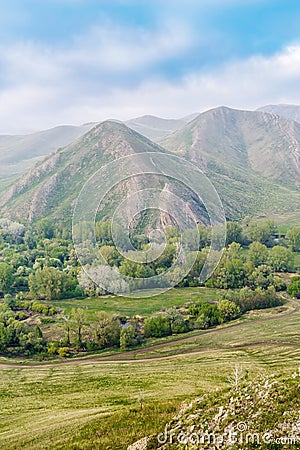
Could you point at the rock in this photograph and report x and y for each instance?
(139, 445)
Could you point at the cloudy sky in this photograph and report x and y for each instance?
(75, 61)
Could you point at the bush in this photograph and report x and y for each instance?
(229, 310)
(64, 352)
(157, 326)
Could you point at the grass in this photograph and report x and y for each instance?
(135, 306)
(96, 403)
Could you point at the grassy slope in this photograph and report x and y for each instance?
(95, 404)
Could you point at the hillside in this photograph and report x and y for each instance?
(18, 153)
(291, 112)
(252, 157)
(262, 412)
(51, 187)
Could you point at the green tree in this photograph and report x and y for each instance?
(177, 321)
(261, 231)
(44, 229)
(6, 277)
(50, 283)
(106, 330)
(127, 337)
(293, 238)
(258, 254)
(229, 310)
(233, 233)
(294, 287)
(157, 325)
(78, 318)
(281, 259)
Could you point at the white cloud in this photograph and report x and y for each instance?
(91, 79)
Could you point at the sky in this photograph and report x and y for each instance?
(77, 61)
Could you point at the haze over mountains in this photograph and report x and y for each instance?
(252, 157)
(291, 112)
(20, 152)
(17, 153)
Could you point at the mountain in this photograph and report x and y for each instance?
(291, 112)
(155, 127)
(52, 186)
(18, 153)
(252, 157)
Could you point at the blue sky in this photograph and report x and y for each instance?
(73, 61)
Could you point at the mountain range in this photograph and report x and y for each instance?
(20, 152)
(252, 158)
(291, 112)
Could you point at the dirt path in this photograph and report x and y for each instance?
(119, 358)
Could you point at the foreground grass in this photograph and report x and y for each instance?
(109, 404)
(97, 405)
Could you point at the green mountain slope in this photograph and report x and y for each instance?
(52, 186)
(253, 158)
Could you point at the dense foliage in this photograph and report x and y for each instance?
(38, 264)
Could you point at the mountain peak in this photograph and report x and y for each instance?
(290, 112)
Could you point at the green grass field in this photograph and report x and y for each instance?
(134, 306)
(95, 403)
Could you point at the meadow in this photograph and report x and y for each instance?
(135, 306)
(109, 402)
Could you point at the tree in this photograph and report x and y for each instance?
(93, 278)
(261, 277)
(106, 330)
(127, 337)
(229, 310)
(294, 287)
(157, 325)
(78, 319)
(261, 232)
(281, 259)
(44, 229)
(67, 327)
(229, 274)
(50, 283)
(258, 253)
(6, 277)
(293, 238)
(178, 323)
(167, 257)
(111, 255)
(233, 233)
